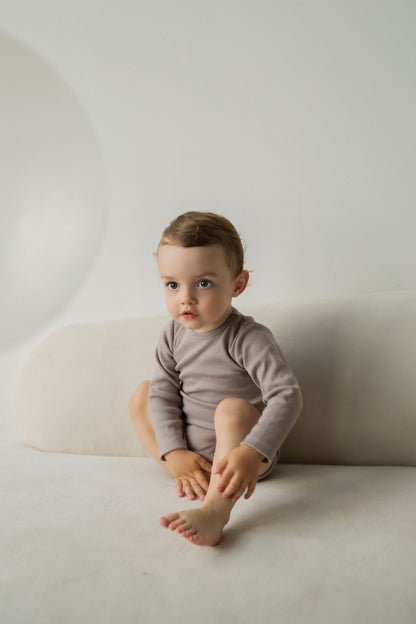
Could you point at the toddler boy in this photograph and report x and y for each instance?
(223, 398)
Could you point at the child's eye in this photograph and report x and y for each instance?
(172, 285)
(204, 283)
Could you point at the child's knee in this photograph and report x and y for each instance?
(139, 400)
(234, 412)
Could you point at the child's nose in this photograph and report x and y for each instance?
(188, 296)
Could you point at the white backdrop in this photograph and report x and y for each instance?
(294, 119)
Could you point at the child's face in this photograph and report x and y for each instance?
(199, 285)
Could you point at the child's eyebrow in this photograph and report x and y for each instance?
(207, 274)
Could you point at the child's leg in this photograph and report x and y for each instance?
(139, 409)
(192, 472)
(234, 418)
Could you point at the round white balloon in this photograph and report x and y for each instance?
(52, 195)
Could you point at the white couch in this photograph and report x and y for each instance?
(329, 538)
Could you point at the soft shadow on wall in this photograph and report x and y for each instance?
(53, 194)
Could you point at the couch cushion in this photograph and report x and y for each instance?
(73, 388)
(355, 358)
(80, 542)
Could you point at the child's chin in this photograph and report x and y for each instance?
(190, 323)
(195, 324)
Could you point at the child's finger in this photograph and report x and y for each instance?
(232, 487)
(198, 490)
(188, 490)
(239, 493)
(204, 464)
(202, 481)
(183, 488)
(224, 481)
(250, 490)
(179, 487)
(220, 466)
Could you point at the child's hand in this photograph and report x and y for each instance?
(240, 470)
(189, 471)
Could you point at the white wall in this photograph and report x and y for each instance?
(294, 119)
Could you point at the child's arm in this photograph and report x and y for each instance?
(256, 350)
(165, 398)
(188, 469)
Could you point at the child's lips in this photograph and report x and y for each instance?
(188, 314)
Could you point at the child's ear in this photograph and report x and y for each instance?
(240, 283)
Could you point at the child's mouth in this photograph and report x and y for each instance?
(188, 315)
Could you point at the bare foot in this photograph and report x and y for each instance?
(203, 526)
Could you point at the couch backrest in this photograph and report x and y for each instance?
(355, 358)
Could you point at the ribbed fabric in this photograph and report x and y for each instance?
(195, 372)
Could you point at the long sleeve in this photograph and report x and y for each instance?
(164, 397)
(195, 372)
(257, 351)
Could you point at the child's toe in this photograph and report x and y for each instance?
(166, 521)
(177, 525)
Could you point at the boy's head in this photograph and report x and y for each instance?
(201, 258)
(200, 229)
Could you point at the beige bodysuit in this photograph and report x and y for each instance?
(196, 371)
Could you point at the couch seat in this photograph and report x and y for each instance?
(81, 543)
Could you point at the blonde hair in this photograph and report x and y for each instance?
(200, 229)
